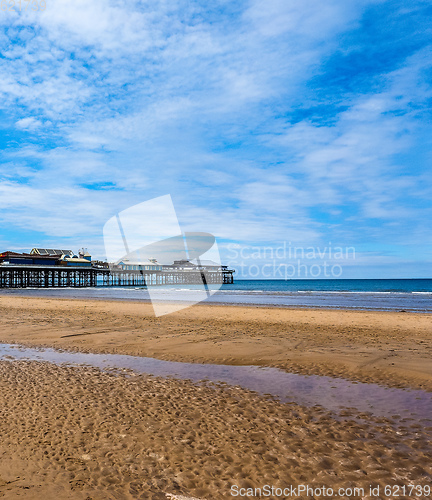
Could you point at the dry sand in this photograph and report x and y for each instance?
(79, 433)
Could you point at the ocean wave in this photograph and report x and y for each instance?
(313, 292)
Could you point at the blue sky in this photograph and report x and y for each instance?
(267, 122)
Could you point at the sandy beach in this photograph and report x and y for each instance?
(388, 347)
(79, 433)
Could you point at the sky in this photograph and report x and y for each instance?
(271, 124)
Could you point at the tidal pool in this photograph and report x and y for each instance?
(333, 394)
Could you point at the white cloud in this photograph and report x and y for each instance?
(310, 18)
(28, 123)
(353, 161)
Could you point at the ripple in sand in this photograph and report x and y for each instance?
(330, 393)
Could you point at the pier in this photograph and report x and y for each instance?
(49, 268)
(46, 277)
(160, 278)
(24, 276)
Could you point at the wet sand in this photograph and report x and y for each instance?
(83, 434)
(78, 433)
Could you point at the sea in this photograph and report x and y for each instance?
(410, 295)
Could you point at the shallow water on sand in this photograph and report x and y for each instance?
(333, 394)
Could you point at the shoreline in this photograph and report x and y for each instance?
(390, 348)
(236, 304)
(58, 293)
